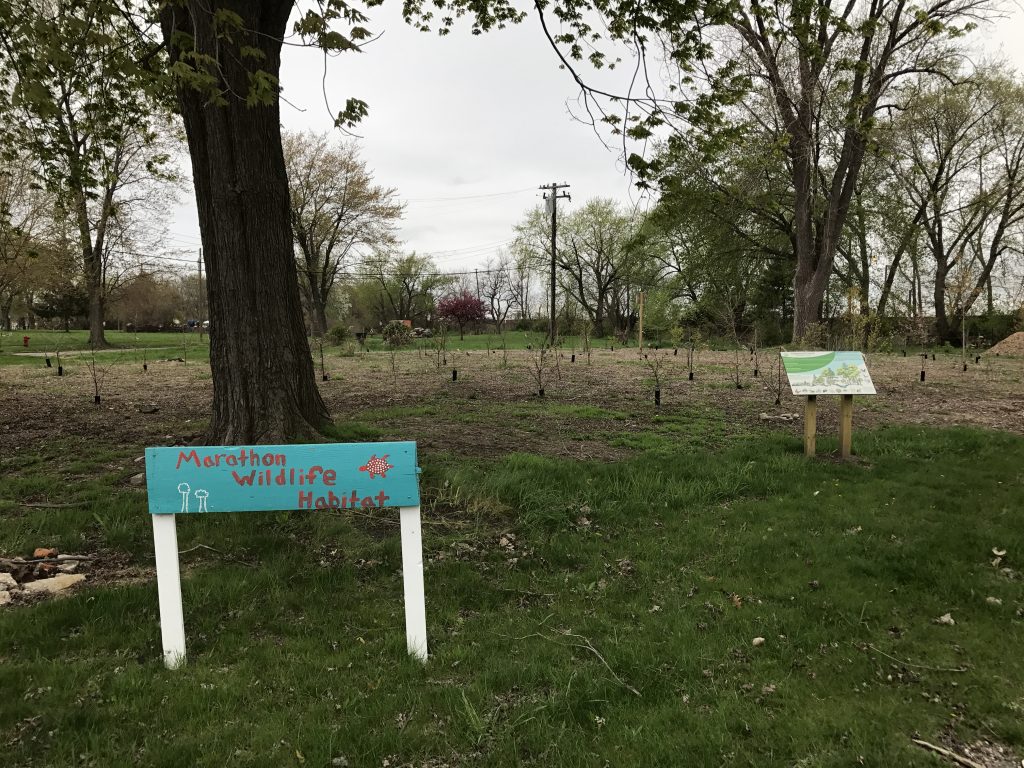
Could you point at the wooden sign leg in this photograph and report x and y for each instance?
(168, 582)
(810, 424)
(845, 425)
(412, 579)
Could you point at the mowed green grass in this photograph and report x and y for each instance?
(124, 346)
(579, 614)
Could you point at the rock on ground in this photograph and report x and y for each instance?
(54, 584)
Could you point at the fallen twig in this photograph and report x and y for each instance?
(947, 753)
(50, 505)
(214, 549)
(585, 645)
(34, 560)
(917, 666)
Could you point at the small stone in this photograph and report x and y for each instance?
(69, 566)
(758, 642)
(148, 408)
(139, 479)
(53, 585)
(5, 598)
(7, 581)
(44, 552)
(946, 619)
(993, 601)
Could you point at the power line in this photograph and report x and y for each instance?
(467, 197)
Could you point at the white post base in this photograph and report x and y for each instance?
(168, 580)
(412, 579)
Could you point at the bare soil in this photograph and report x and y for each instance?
(494, 409)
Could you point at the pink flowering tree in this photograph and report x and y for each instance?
(462, 309)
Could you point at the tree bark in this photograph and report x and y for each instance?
(264, 388)
(92, 267)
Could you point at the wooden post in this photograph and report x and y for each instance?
(845, 425)
(640, 297)
(168, 584)
(810, 424)
(412, 580)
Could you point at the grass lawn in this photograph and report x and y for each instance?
(580, 613)
(74, 346)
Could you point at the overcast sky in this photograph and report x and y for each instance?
(466, 128)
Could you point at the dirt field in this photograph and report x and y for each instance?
(494, 402)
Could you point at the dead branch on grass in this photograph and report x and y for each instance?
(947, 753)
(916, 666)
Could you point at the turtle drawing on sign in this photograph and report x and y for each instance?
(183, 489)
(202, 495)
(377, 466)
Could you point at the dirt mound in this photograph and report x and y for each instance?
(1011, 345)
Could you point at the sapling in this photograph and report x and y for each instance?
(395, 336)
(656, 363)
(585, 330)
(774, 381)
(440, 344)
(99, 373)
(690, 354)
(963, 340)
(60, 368)
(323, 367)
(540, 364)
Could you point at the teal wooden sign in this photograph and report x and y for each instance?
(255, 478)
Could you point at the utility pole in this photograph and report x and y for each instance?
(552, 195)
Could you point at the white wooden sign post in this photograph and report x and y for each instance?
(282, 477)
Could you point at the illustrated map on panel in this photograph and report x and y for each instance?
(828, 373)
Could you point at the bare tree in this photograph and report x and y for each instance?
(497, 291)
(338, 214)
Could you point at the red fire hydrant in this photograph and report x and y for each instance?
(24, 340)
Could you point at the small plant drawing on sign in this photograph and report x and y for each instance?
(183, 489)
(202, 495)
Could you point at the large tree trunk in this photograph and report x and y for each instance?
(318, 317)
(264, 387)
(92, 267)
(942, 327)
(97, 337)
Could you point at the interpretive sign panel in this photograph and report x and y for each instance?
(253, 478)
(827, 373)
